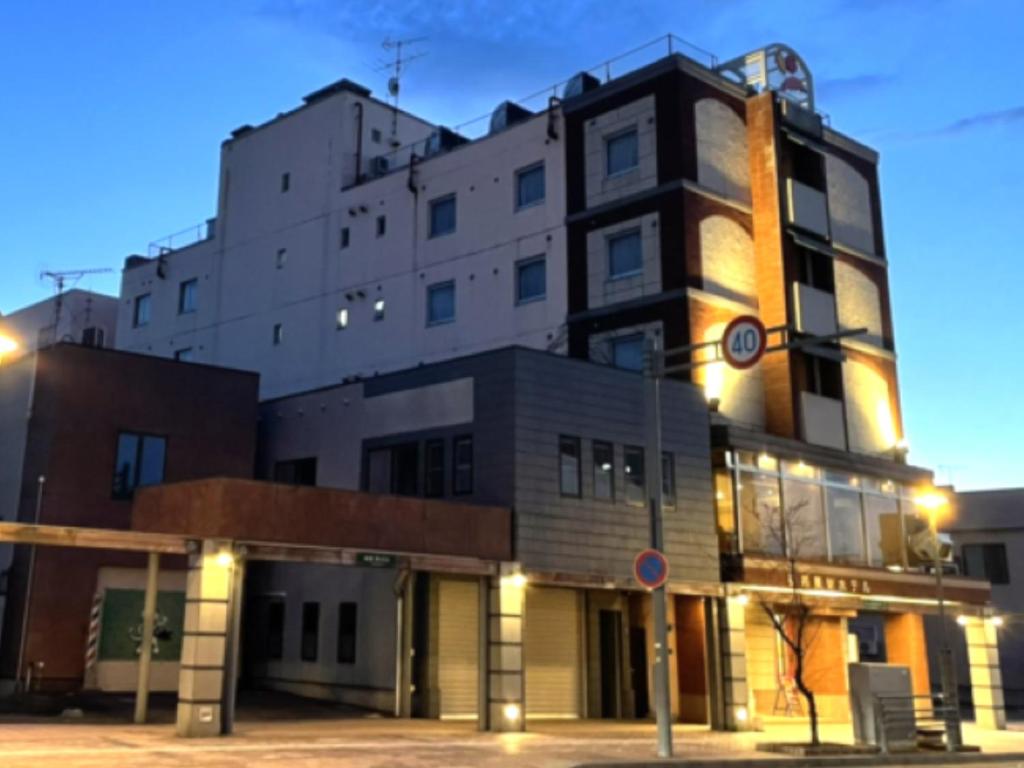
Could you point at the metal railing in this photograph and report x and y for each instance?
(189, 236)
(925, 720)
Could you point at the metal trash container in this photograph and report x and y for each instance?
(868, 682)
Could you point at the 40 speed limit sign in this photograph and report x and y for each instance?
(744, 341)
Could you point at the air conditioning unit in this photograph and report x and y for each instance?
(379, 165)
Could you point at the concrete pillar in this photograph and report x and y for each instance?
(204, 643)
(503, 663)
(905, 645)
(986, 678)
(733, 645)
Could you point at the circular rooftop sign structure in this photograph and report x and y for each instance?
(651, 568)
(744, 341)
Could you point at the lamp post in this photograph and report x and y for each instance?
(7, 346)
(934, 503)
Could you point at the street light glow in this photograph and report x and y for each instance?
(7, 345)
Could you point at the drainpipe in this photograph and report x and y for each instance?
(359, 143)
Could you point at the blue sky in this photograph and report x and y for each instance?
(113, 113)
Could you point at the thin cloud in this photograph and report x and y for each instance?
(844, 87)
(979, 121)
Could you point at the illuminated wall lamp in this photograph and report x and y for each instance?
(511, 712)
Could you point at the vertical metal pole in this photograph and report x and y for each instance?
(652, 407)
(950, 694)
(233, 652)
(23, 641)
(146, 642)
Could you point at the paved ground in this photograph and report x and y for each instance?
(266, 740)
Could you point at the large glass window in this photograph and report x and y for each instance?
(845, 525)
(140, 462)
(625, 254)
(635, 481)
(569, 466)
(622, 152)
(442, 216)
(760, 513)
(805, 519)
(725, 513)
(884, 530)
(604, 470)
(441, 303)
(530, 186)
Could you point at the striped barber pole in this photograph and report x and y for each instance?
(93, 643)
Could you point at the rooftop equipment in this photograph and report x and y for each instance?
(506, 115)
(579, 84)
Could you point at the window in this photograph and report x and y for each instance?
(569, 466)
(845, 525)
(278, 334)
(347, 633)
(986, 561)
(296, 471)
(442, 216)
(140, 462)
(625, 255)
(184, 355)
(621, 152)
(604, 470)
(433, 478)
(634, 466)
(378, 309)
(462, 465)
(816, 269)
(760, 514)
(188, 296)
(394, 469)
(375, 136)
(342, 319)
(823, 376)
(530, 186)
(441, 303)
(803, 513)
(344, 238)
(668, 480)
(382, 225)
(92, 336)
(140, 317)
(805, 165)
(628, 352)
(275, 628)
(310, 631)
(286, 182)
(281, 258)
(531, 280)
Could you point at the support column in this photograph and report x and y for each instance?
(204, 644)
(733, 645)
(146, 643)
(503, 664)
(986, 678)
(905, 645)
(403, 667)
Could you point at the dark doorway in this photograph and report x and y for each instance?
(638, 670)
(610, 634)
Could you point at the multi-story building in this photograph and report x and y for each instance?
(81, 317)
(373, 268)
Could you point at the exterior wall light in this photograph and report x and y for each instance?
(511, 712)
(996, 621)
(225, 559)
(962, 620)
(517, 580)
(742, 715)
(742, 599)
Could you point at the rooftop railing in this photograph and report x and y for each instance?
(190, 236)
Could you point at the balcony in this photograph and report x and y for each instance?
(806, 208)
(815, 310)
(822, 420)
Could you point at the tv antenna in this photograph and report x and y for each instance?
(66, 279)
(396, 67)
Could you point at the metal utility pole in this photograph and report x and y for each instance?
(653, 364)
(947, 672)
(23, 641)
(146, 643)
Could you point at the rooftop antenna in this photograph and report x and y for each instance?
(67, 278)
(396, 66)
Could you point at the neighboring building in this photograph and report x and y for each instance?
(80, 429)
(80, 317)
(987, 528)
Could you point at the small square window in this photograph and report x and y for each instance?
(375, 135)
(625, 255)
(278, 335)
(441, 303)
(344, 238)
(530, 186)
(184, 355)
(140, 316)
(382, 225)
(188, 296)
(281, 258)
(531, 280)
(286, 182)
(628, 352)
(622, 152)
(378, 309)
(342, 319)
(442, 216)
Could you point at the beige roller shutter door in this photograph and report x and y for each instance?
(552, 653)
(458, 647)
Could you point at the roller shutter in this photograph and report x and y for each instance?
(552, 653)
(458, 647)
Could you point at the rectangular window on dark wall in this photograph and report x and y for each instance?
(462, 465)
(310, 631)
(634, 466)
(296, 471)
(622, 152)
(625, 254)
(405, 469)
(346, 633)
(569, 466)
(823, 376)
(604, 470)
(668, 480)
(628, 352)
(140, 462)
(344, 238)
(433, 479)
(275, 628)
(986, 561)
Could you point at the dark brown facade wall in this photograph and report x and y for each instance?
(772, 293)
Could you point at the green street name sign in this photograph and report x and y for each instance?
(375, 560)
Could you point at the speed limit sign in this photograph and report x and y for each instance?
(744, 341)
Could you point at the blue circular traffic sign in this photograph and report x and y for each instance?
(651, 568)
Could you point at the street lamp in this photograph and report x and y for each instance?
(7, 345)
(935, 504)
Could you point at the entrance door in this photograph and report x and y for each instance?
(610, 634)
(638, 670)
(458, 647)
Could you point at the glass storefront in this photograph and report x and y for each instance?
(813, 513)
